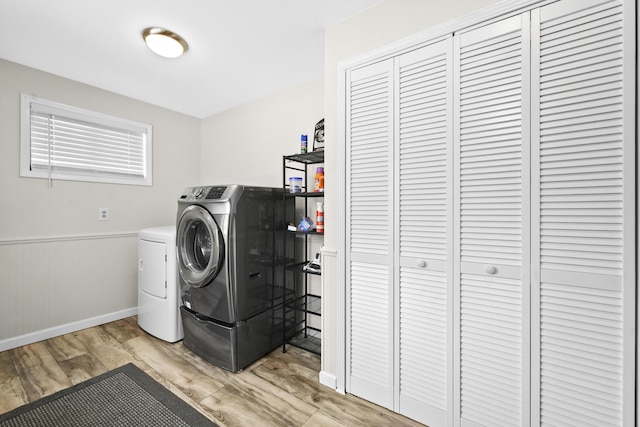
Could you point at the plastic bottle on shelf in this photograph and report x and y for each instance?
(319, 217)
(295, 184)
(318, 182)
(303, 143)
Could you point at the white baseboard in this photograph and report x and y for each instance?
(56, 331)
(330, 381)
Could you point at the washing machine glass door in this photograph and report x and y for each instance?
(200, 247)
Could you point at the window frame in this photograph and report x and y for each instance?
(91, 117)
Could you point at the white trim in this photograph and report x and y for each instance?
(630, 241)
(628, 9)
(455, 394)
(394, 260)
(66, 238)
(329, 256)
(330, 380)
(56, 331)
(341, 249)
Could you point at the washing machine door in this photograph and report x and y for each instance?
(200, 247)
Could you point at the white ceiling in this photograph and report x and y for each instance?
(239, 50)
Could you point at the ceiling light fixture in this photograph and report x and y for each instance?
(164, 42)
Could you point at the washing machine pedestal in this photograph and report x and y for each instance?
(232, 346)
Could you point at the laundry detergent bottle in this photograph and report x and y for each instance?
(318, 182)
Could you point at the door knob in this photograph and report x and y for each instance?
(490, 269)
(422, 264)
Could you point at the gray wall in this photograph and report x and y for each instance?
(245, 145)
(60, 268)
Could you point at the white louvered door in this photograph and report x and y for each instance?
(490, 202)
(424, 208)
(369, 233)
(491, 225)
(583, 345)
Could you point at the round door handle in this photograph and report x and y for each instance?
(490, 269)
(422, 264)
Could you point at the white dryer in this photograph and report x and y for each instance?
(158, 292)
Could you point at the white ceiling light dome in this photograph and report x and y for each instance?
(164, 42)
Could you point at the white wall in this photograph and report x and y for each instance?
(61, 268)
(370, 30)
(245, 145)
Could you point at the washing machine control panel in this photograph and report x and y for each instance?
(198, 193)
(216, 192)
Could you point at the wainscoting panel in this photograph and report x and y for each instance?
(54, 285)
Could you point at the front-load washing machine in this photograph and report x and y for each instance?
(158, 291)
(230, 240)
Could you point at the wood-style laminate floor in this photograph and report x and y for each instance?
(281, 389)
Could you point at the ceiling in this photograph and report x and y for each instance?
(239, 50)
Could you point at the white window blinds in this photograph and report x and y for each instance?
(63, 142)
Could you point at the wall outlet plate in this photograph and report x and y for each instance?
(103, 214)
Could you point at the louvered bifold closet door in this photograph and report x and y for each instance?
(583, 215)
(369, 233)
(492, 239)
(424, 130)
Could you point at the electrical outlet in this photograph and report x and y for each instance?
(103, 214)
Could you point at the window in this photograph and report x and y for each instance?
(58, 141)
